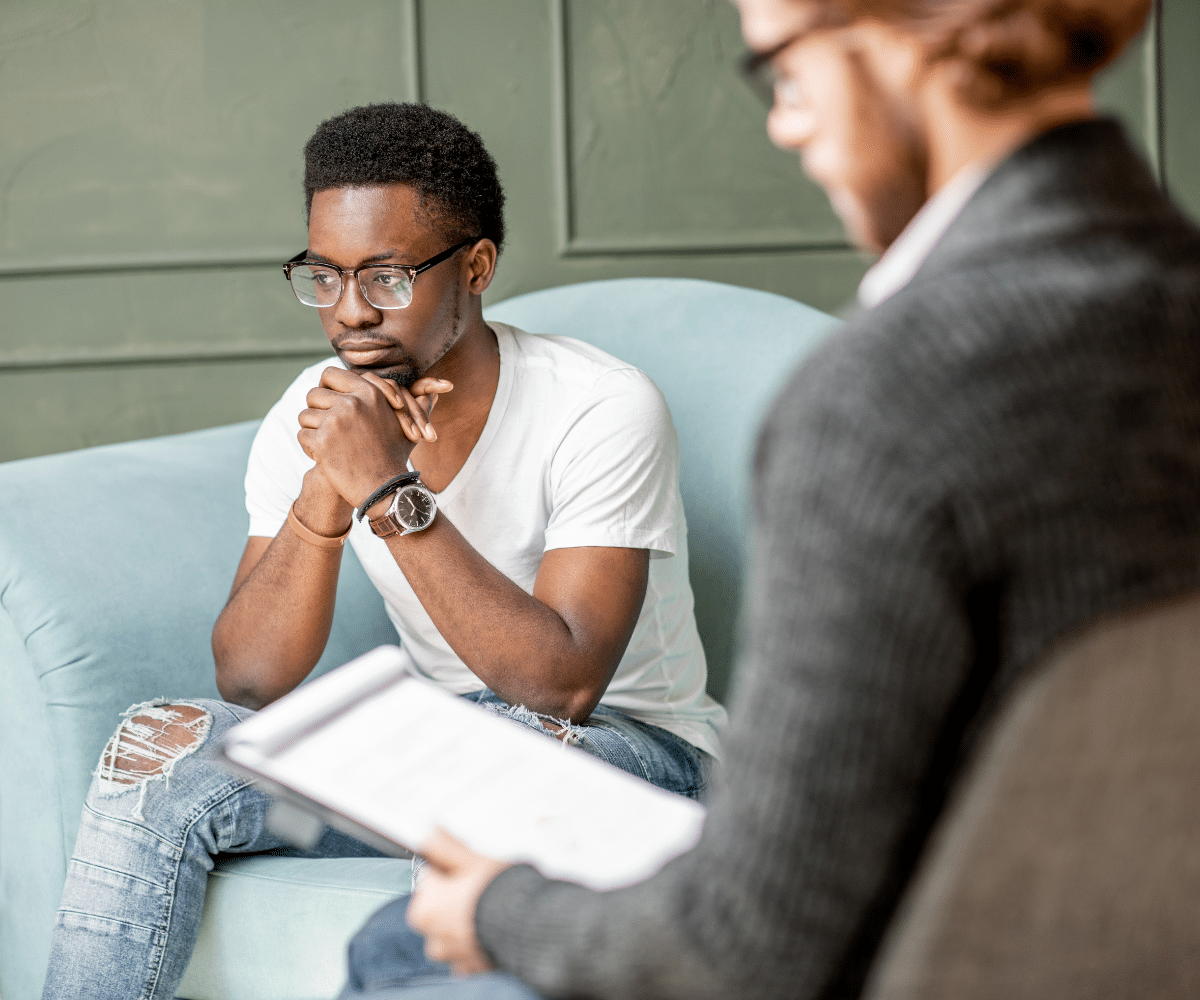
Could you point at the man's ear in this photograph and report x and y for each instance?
(480, 264)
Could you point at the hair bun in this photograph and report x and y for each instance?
(1008, 48)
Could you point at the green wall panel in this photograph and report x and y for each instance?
(61, 409)
(191, 311)
(137, 128)
(523, 118)
(150, 176)
(664, 143)
(1181, 101)
(1128, 90)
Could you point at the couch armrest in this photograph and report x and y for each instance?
(114, 563)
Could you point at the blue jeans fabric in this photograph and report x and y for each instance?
(639, 748)
(134, 893)
(387, 959)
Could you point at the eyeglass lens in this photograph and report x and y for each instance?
(382, 287)
(773, 87)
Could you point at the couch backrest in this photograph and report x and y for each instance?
(719, 354)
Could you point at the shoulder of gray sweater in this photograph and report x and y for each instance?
(1080, 185)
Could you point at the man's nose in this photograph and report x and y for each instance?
(791, 127)
(352, 309)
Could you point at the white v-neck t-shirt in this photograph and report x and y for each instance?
(578, 449)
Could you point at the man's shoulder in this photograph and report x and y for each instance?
(571, 364)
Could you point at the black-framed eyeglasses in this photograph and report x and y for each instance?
(758, 72)
(385, 286)
(758, 68)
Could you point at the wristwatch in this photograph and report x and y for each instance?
(413, 509)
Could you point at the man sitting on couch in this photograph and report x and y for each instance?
(522, 565)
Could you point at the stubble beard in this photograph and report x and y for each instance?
(408, 372)
(403, 377)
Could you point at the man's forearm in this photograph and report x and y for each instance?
(275, 625)
(517, 644)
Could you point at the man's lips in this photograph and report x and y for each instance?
(362, 353)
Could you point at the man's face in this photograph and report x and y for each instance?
(352, 226)
(844, 106)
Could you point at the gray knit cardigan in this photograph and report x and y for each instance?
(1002, 452)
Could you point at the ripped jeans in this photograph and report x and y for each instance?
(161, 809)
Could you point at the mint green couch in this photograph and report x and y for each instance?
(113, 603)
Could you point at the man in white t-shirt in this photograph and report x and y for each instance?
(578, 451)
(530, 556)
(536, 563)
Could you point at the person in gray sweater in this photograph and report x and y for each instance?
(1001, 447)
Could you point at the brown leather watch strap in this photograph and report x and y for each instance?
(385, 525)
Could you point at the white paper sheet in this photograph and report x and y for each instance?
(407, 757)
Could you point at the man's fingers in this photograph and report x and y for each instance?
(310, 418)
(321, 398)
(411, 430)
(418, 414)
(418, 910)
(340, 380)
(430, 387)
(390, 390)
(443, 907)
(427, 390)
(303, 437)
(446, 852)
(413, 416)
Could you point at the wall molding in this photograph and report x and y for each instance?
(570, 244)
(707, 246)
(158, 260)
(413, 52)
(187, 260)
(1155, 111)
(173, 355)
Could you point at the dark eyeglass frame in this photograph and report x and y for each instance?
(755, 67)
(412, 270)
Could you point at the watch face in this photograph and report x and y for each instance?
(414, 507)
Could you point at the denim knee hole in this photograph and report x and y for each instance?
(151, 739)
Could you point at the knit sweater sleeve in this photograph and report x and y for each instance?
(858, 643)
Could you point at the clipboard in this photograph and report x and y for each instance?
(387, 757)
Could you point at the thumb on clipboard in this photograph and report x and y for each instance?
(443, 904)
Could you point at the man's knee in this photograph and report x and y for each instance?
(386, 952)
(150, 740)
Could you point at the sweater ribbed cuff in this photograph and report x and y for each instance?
(498, 913)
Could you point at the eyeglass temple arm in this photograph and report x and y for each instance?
(299, 258)
(445, 255)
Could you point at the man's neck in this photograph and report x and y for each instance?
(473, 365)
(959, 136)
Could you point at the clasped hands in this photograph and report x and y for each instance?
(360, 430)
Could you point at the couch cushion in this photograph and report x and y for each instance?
(262, 908)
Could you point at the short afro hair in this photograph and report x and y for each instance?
(414, 144)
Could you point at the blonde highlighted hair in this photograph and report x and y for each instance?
(1008, 49)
